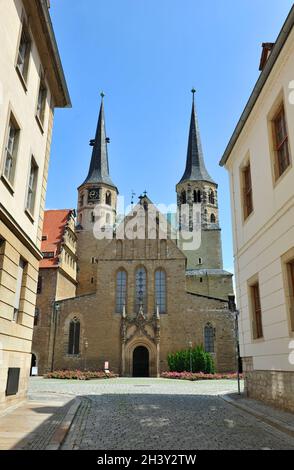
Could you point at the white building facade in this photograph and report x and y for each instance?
(259, 159)
(32, 84)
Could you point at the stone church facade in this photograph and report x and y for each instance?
(139, 298)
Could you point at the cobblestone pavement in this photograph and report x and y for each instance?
(155, 414)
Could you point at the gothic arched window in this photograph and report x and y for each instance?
(108, 198)
(211, 197)
(212, 219)
(209, 338)
(121, 290)
(74, 337)
(160, 290)
(141, 289)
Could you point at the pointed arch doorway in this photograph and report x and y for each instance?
(140, 362)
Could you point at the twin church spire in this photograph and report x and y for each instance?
(99, 167)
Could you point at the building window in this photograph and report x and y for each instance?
(209, 338)
(39, 286)
(108, 198)
(183, 197)
(290, 269)
(92, 217)
(281, 143)
(247, 191)
(200, 261)
(74, 337)
(92, 280)
(121, 290)
(256, 310)
(19, 291)
(160, 290)
(211, 198)
(23, 56)
(32, 187)
(37, 317)
(141, 289)
(212, 219)
(48, 254)
(41, 104)
(197, 196)
(11, 151)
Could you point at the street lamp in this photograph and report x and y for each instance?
(86, 345)
(190, 346)
(233, 309)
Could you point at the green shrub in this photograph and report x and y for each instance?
(200, 360)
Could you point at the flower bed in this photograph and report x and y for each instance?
(79, 375)
(198, 376)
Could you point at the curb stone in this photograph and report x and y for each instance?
(61, 432)
(281, 426)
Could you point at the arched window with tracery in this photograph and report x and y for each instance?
(74, 337)
(141, 289)
(209, 338)
(160, 290)
(121, 290)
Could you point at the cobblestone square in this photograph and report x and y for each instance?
(160, 414)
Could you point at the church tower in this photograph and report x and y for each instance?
(197, 187)
(97, 205)
(98, 188)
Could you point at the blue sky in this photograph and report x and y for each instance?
(146, 55)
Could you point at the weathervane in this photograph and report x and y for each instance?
(102, 94)
(193, 91)
(145, 193)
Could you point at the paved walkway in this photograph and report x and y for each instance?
(32, 425)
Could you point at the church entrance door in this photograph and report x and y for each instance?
(141, 362)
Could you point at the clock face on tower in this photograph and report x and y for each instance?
(93, 195)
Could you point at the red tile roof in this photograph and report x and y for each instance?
(54, 227)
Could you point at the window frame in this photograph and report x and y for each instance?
(162, 311)
(210, 339)
(23, 73)
(10, 179)
(284, 143)
(145, 293)
(32, 187)
(41, 106)
(247, 189)
(74, 347)
(121, 291)
(256, 311)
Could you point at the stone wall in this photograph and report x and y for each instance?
(219, 286)
(275, 388)
(15, 336)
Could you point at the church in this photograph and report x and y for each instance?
(123, 294)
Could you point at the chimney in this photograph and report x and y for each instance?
(267, 48)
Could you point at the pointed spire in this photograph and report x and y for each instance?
(195, 166)
(99, 167)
